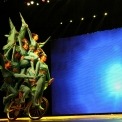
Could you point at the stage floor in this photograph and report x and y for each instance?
(76, 118)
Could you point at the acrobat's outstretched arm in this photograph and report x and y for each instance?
(41, 44)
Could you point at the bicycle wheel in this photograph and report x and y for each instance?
(34, 112)
(44, 103)
(13, 110)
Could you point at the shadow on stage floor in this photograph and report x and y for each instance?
(78, 118)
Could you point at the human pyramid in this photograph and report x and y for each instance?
(23, 64)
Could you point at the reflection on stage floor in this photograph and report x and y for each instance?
(76, 118)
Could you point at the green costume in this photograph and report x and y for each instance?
(9, 78)
(34, 43)
(27, 84)
(42, 72)
(38, 73)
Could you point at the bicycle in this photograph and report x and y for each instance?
(34, 113)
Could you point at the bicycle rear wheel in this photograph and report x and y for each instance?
(36, 113)
(13, 110)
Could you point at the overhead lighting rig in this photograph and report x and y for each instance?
(36, 2)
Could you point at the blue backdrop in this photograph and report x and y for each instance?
(88, 73)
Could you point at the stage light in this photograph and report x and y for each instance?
(82, 18)
(70, 21)
(32, 2)
(48, 1)
(37, 4)
(28, 4)
(61, 23)
(94, 16)
(105, 14)
(43, 0)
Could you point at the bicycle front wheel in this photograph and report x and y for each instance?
(36, 113)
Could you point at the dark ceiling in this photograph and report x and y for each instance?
(45, 19)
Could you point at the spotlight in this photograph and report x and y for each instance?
(70, 21)
(48, 1)
(82, 18)
(37, 4)
(43, 0)
(105, 14)
(94, 16)
(32, 2)
(28, 4)
(61, 23)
